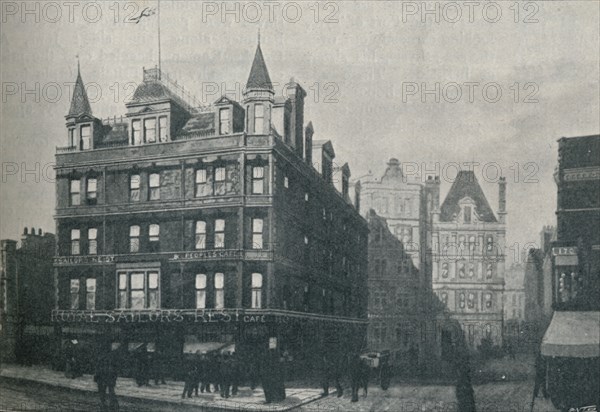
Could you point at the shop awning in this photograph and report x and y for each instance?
(192, 345)
(573, 335)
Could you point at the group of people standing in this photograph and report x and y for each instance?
(221, 371)
(333, 370)
(148, 365)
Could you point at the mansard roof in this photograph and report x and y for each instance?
(152, 91)
(79, 102)
(466, 185)
(259, 75)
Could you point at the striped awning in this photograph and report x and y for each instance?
(573, 335)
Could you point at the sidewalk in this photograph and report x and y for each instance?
(245, 400)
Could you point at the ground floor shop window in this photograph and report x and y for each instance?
(138, 289)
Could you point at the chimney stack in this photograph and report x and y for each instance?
(502, 199)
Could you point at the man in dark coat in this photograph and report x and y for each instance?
(157, 367)
(191, 377)
(203, 368)
(331, 370)
(106, 379)
(540, 375)
(356, 372)
(225, 375)
(235, 371)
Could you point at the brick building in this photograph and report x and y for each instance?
(468, 243)
(188, 228)
(571, 344)
(26, 301)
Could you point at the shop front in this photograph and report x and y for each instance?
(173, 334)
(571, 347)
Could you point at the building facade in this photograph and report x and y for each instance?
(26, 277)
(514, 293)
(399, 200)
(468, 243)
(187, 227)
(397, 304)
(571, 344)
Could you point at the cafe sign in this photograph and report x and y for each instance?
(156, 316)
(83, 260)
(564, 251)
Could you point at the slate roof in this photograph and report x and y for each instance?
(201, 123)
(79, 102)
(152, 91)
(466, 185)
(259, 75)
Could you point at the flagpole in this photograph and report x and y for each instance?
(158, 18)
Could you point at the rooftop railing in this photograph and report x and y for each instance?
(189, 100)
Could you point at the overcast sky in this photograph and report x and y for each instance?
(363, 64)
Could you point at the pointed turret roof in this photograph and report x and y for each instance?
(259, 75)
(466, 185)
(79, 102)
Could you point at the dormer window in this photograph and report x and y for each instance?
(136, 132)
(163, 134)
(150, 130)
(86, 137)
(259, 118)
(224, 116)
(467, 214)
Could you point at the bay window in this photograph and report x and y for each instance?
(138, 289)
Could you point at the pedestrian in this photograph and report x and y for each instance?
(225, 375)
(141, 366)
(157, 367)
(106, 379)
(236, 372)
(272, 377)
(356, 378)
(330, 372)
(464, 389)
(204, 374)
(213, 368)
(540, 376)
(253, 370)
(191, 378)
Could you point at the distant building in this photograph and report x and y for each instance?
(26, 297)
(514, 293)
(397, 304)
(468, 243)
(187, 228)
(399, 200)
(571, 344)
(538, 280)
